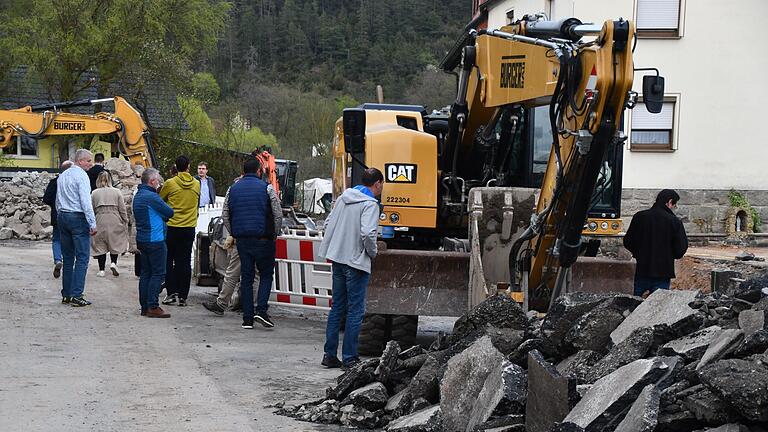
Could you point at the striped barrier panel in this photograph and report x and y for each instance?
(301, 279)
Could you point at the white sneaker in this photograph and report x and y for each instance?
(100, 273)
(113, 267)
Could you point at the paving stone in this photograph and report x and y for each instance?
(371, 397)
(550, 395)
(578, 365)
(426, 420)
(565, 311)
(727, 340)
(663, 307)
(613, 394)
(636, 346)
(471, 386)
(643, 416)
(501, 311)
(693, 346)
(753, 320)
(742, 384)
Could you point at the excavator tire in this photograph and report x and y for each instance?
(378, 329)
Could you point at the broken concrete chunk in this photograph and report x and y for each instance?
(727, 340)
(507, 423)
(356, 377)
(643, 416)
(676, 422)
(425, 384)
(515, 391)
(565, 311)
(357, 417)
(742, 384)
(610, 396)
(6, 233)
(750, 321)
(666, 307)
(411, 352)
(387, 362)
(394, 401)
(578, 365)
(693, 346)
(501, 311)
(426, 420)
(751, 289)
(707, 407)
(592, 331)
(754, 344)
(550, 395)
(520, 355)
(730, 427)
(474, 372)
(371, 397)
(636, 346)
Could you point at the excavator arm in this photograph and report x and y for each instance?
(48, 120)
(587, 86)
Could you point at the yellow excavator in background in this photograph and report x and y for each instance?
(525, 160)
(47, 120)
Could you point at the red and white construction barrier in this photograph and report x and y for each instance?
(301, 278)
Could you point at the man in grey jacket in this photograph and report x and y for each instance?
(350, 244)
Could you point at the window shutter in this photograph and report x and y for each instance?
(658, 14)
(642, 119)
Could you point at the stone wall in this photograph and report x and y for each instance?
(702, 211)
(22, 212)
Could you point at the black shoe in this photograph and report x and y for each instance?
(170, 299)
(349, 364)
(57, 269)
(264, 320)
(247, 324)
(214, 307)
(78, 302)
(66, 300)
(331, 362)
(182, 302)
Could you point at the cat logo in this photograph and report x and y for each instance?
(400, 173)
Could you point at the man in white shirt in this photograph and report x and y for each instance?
(77, 223)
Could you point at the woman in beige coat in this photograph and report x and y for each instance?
(111, 223)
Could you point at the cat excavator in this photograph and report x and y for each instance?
(46, 120)
(496, 191)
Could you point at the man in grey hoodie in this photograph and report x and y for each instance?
(350, 244)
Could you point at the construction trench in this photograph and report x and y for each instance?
(680, 360)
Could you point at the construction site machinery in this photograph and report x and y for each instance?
(47, 120)
(496, 192)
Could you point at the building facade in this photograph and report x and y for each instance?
(707, 142)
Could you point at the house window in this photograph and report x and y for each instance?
(22, 147)
(659, 18)
(653, 132)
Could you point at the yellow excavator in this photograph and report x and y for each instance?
(47, 120)
(497, 190)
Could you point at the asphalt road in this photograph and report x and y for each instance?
(105, 368)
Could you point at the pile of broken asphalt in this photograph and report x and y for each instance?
(678, 361)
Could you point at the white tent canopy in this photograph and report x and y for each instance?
(314, 189)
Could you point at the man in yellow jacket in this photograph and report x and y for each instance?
(182, 193)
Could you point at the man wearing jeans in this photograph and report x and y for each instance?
(350, 244)
(76, 222)
(49, 198)
(151, 214)
(656, 237)
(253, 216)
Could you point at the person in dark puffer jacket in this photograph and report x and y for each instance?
(151, 214)
(253, 216)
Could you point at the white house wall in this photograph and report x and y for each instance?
(715, 70)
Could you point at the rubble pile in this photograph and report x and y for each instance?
(677, 361)
(22, 212)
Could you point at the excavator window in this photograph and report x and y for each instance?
(22, 146)
(407, 122)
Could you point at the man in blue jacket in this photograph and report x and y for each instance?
(350, 243)
(253, 216)
(151, 214)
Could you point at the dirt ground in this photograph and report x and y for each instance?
(694, 270)
(105, 368)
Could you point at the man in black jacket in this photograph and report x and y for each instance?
(96, 169)
(656, 238)
(49, 198)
